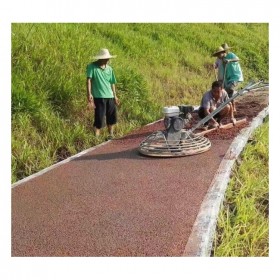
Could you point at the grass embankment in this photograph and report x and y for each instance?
(243, 224)
(157, 65)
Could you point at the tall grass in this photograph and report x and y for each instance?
(157, 65)
(243, 224)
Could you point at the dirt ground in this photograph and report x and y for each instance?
(247, 106)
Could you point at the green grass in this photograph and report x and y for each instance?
(157, 65)
(243, 223)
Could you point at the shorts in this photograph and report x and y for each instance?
(104, 107)
(230, 89)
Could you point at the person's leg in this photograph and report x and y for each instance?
(96, 131)
(218, 118)
(201, 113)
(99, 114)
(230, 91)
(227, 111)
(111, 115)
(111, 130)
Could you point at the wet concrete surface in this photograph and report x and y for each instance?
(112, 201)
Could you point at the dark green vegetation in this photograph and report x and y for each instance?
(157, 65)
(243, 224)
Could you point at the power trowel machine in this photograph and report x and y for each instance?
(175, 141)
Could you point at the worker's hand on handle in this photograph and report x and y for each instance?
(226, 61)
(233, 121)
(215, 123)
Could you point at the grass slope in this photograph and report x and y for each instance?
(243, 224)
(157, 65)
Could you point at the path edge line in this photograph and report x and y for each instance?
(201, 239)
(41, 172)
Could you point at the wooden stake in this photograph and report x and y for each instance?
(225, 126)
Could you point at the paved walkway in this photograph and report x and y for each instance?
(112, 201)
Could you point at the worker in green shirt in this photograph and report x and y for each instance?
(101, 92)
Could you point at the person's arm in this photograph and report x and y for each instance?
(207, 112)
(115, 94)
(89, 95)
(231, 58)
(206, 104)
(216, 63)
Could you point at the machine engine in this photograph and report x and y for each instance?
(175, 119)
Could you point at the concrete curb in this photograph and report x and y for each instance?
(64, 161)
(56, 165)
(200, 241)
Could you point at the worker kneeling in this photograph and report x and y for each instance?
(211, 100)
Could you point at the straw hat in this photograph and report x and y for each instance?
(226, 47)
(218, 51)
(104, 54)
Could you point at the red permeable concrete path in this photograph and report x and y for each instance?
(112, 201)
